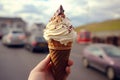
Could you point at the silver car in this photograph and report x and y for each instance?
(103, 57)
(14, 37)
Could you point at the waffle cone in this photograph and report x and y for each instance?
(52, 44)
(59, 54)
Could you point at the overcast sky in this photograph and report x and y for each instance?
(80, 12)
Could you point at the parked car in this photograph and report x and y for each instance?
(103, 57)
(36, 43)
(14, 37)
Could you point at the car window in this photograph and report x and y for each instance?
(40, 39)
(87, 35)
(37, 38)
(82, 35)
(95, 51)
(112, 51)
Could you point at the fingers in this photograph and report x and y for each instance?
(70, 63)
(68, 70)
(43, 64)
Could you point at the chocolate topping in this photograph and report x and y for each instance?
(70, 28)
(58, 17)
(60, 10)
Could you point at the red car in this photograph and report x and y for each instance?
(84, 37)
(103, 57)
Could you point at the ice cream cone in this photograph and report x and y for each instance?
(60, 34)
(59, 54)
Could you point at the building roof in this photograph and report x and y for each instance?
(16, 19)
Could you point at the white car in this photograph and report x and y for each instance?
(14, 37)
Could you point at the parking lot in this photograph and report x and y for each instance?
(17, 62)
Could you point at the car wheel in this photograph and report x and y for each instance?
(85, 63)
(110, 73)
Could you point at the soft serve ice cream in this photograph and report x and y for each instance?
(60, 34)
(59, 28)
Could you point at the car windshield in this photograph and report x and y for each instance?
(85, 35)
(41, 39)
(112, 51)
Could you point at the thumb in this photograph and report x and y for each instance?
(43, 64)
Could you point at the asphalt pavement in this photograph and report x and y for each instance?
(16, 64)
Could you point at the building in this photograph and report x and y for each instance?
(7, 23)
(37, 28)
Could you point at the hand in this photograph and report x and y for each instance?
(43, 70)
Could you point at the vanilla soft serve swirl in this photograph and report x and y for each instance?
(60, 30)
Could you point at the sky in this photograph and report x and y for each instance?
(80, 12)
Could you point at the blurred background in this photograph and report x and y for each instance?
(95, 51)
